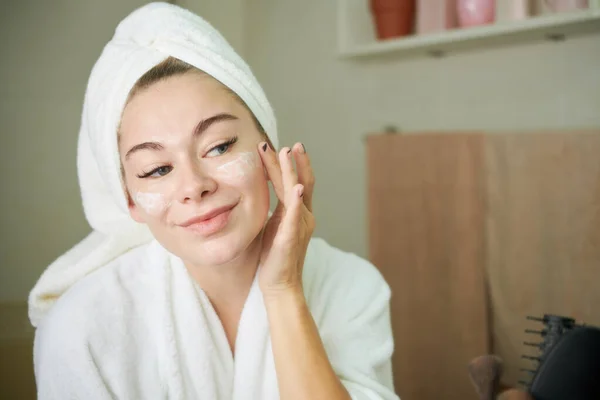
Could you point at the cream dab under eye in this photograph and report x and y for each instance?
(152, 203)
(243, 165)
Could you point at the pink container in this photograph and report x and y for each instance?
(435, 15)
(475, 12)
(566, 5)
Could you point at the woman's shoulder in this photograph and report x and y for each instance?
(107, 295)
(101, 328)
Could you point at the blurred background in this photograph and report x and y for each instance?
(446, 119)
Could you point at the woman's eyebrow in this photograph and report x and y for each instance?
(144, 146)
(206, 123)
(202, 126)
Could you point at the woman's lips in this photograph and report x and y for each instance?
(212, 225)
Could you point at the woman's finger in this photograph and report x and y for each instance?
(288, 175)
(293, 211)
(305, 173)
(271, 163)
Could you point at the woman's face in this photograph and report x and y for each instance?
(192, 170)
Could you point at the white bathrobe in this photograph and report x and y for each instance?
(140, 328)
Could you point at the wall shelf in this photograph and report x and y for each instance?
(356, 37)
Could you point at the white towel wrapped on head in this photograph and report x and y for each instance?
(119, 317)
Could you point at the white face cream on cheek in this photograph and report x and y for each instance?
(152, 203)
(240, 168)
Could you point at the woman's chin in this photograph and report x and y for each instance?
(217, 252)
(217, 258)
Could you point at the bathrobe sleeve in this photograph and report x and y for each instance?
(350, 301)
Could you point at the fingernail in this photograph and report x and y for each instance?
(289, 151)
(303, 148)
(264, 147)
(301, 191)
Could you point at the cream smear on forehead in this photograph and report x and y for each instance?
(152, 203)
(240, 167)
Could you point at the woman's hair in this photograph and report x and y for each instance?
(172, 66)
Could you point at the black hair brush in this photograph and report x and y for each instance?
(568, 364)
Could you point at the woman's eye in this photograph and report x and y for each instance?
(161, 171)
(157, 172)
(222, 148)
(218, 150)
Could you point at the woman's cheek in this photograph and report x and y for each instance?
(153, 203)
(239, 171)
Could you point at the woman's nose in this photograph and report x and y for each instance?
(194, 184)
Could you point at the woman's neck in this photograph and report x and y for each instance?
(227, 287)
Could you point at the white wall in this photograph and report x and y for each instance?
(48, 49)
(329, 104)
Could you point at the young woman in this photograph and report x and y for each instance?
(188, 288)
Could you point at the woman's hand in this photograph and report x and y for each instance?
(288, 231)
(301, 362)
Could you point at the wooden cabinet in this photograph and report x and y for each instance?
(473, 232)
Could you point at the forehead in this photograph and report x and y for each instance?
(191, 90)
(177, 103)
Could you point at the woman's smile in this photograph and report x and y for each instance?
(211, 222)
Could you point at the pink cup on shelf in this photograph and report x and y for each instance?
(435, 15)
(475, 12)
